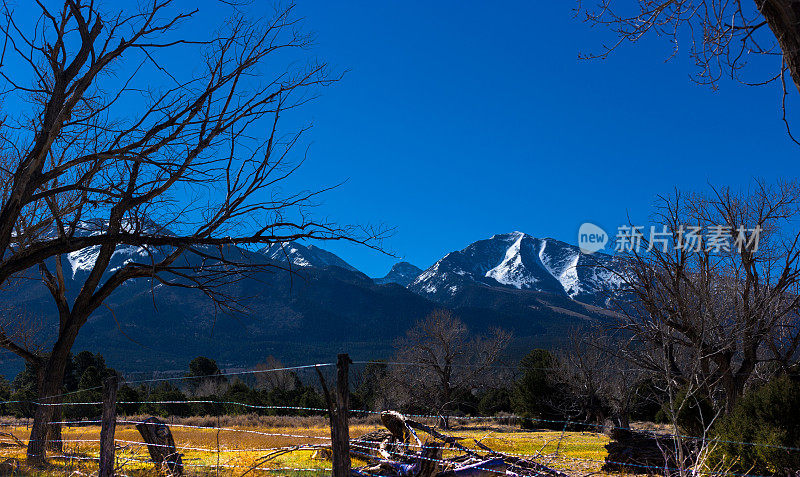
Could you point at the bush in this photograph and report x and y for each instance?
(166, 392)
(211, 408)
(128, 394)
(311, 399)
(527, 423)
(24, 393)
(648, 397)
(695, 413)
(371, 391)
(205, 375)
(494, 401)
(535, 397)
(767, 416)
(5, 395)
(239, 393)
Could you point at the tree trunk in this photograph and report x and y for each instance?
(41, 419)
(734, 389)
(50, 386)
(783, 18)
(55, 442)
(618, 428)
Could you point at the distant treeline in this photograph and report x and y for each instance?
(203, 382)
(540, 390)
(532, 393)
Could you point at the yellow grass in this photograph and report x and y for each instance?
(579, 452)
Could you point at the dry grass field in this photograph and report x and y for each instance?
(238, 447)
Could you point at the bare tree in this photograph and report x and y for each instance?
(705, 314)
(109, 147)
(440, 357)
(598, 384)
(604, 387)
(722, 36)
(269, 380)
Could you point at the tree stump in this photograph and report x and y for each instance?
(396, 424)
(431, 459)
(161, 445)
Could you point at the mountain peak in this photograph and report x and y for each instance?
(302, 256)
(515, 235)
(401, 273)
(519, 261)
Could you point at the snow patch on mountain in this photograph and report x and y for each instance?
(303, 256)
(562, 260)
(520, 261)
(83, 259)
(512, 270)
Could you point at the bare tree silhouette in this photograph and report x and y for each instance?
(722, 36)
(110, 146)
(704, 318)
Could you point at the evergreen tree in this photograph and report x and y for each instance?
(534, 392)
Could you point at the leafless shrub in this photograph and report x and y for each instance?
(439, 358)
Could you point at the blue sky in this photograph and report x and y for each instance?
(458, 120)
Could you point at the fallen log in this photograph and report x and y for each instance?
(431, 460)
(396, 424)
(484, 468)
(381, 443)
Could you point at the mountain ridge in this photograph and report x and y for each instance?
(304, 256)
(402, 273)
(521, 261)
(535, 288)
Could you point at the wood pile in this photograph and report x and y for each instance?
(399, 451)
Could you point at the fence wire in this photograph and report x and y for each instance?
(321, 441)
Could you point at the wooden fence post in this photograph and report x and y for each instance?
(161, 445)
(109, 424)
(341, 439)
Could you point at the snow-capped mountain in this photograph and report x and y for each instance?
(520, 261)
(402, 273)
(302, 256)
(82, 261)
(536, 288)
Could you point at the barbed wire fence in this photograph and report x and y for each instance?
(117, 452)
